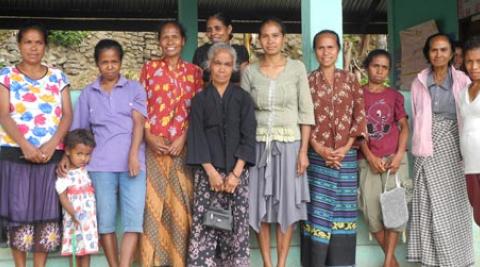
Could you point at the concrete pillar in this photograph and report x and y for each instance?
(316, 16)
(188, 16)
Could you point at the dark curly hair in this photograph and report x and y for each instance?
(79, 136)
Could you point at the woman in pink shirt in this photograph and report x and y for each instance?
(440, 230)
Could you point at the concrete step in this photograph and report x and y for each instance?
(367, 256)
(368, 253)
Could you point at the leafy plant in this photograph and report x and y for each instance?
(67, 38)
(131, 74)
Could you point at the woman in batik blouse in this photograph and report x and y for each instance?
(329, 234)
(171, 83)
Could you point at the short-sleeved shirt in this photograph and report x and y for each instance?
(35, 104)
(109, 116)
(169, 95)
(470, 132)
(383, 111)
(200, 59)
(76, 178)
(339, 108)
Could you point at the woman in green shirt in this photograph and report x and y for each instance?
(284, 112)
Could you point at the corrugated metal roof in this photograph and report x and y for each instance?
(364, 16)
(146, 14)
(90, 8)
(361, 7)
(252, 9)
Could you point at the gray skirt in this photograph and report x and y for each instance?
(277, 194)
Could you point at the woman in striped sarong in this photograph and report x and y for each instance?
(441, 221)
(329, 234)
(171, 83)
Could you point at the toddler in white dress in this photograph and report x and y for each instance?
(77, 197)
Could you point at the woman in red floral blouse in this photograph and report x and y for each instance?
(329, 233)
(171, 83)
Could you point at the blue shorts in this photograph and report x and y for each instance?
(114, 187)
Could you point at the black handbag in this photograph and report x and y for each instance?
(219, 218)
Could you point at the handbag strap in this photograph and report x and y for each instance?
(397, 180)
(230, 200)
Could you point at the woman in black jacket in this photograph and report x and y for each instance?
(221, 144)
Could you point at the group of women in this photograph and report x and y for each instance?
(267, 142)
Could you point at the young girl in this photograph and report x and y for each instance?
(77, 197)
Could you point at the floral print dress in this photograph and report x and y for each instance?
(81, 195)
(30, 209)
(35, 105)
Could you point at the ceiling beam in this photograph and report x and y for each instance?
(368, 17)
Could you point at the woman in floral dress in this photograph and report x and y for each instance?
(76, 194)
(171, 83)
(35, 114)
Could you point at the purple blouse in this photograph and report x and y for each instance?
(109, 116)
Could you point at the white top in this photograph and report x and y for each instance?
(35, 105)
(470, 134)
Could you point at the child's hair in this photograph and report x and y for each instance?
(79, 136)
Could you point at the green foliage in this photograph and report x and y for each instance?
(364, 81)
(67, 38)
(131, 74)
(5, 34)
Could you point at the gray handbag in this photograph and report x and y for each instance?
(394, 204)
(218, 218)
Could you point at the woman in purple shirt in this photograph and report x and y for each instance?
(115, 109)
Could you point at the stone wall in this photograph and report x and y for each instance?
(78, 62)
